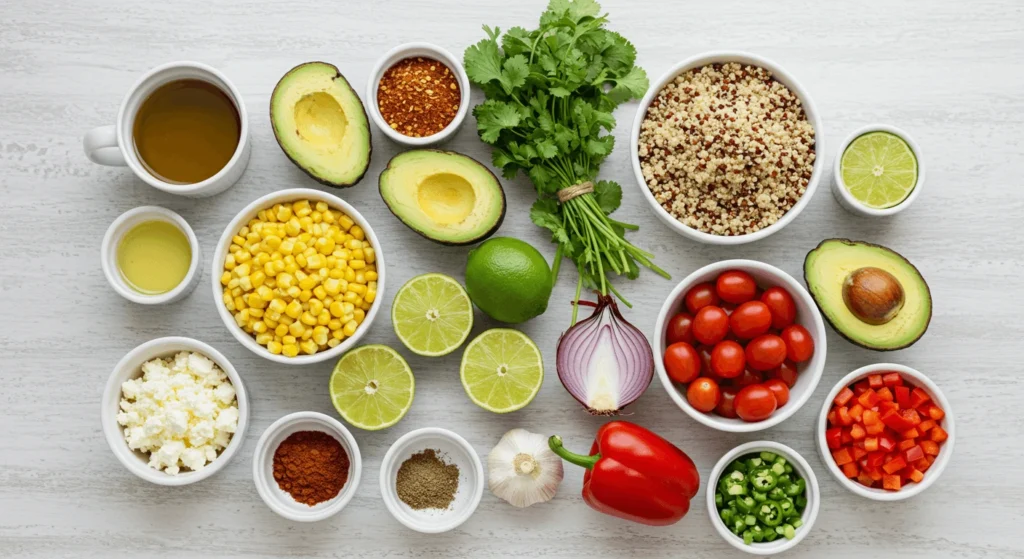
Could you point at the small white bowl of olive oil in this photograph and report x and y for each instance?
(151, 256)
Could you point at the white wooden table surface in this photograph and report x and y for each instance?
(950, 72)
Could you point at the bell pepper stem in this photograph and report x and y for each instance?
(555, 442)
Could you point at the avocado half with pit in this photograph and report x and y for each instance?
(321, 124)
(871, 295)
(447, 197)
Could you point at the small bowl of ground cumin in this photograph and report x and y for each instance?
(727, 148)
(306, 466)
(431, 480)
(418, 94)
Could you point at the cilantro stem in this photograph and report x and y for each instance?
(556, 265)
(576, 300)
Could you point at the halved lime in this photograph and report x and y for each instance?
(432, 314)
(879, 169)
(502, 370)
(372, 387)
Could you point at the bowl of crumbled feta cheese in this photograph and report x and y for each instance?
(174, 411)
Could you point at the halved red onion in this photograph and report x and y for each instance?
(605, 362)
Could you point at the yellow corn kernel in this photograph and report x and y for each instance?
(324, 245)
(334, 324)
(331, 286)
(301, 207)
(308, 319)
(336, 273)
(242, 317)
(350, 327)
(309, 282)
(263, 339)
(350, 296)
(289, 339)
(292, 227)
(333, 342)
(229, 262)
(361, 277)
(265, 293)
(317, 217)
(315, 262)
(286, 320)
(277, 305)
(294, 309)
(307, 334)
(254, 300)
(242, 256)
(350, 274)
(274, 347)
(257, 278)
(296, 328)
(239, 302)
(287, 246)
(259, 327)
(241, 270)
(323, 318)
(369, 255)
(235, 282)
(281, 265)
(273, 242)
(357, 232)
(256, 312)
(320, 335)
(290, 350)
(270, 322)
(281, 330)
(300, 259)
(270, 268)
(262, 258)
(337, 311)
(284, 213)
(308, 347)
(357, 288)
(371, 294)
(293, 291)
(338, 334)
(305, 295)
(356, 265)
(329, 216)
(225, 278)
(353, 244)
(285, 280)
(315, 307)
(345, 222)
(371, 275)
(359, 315)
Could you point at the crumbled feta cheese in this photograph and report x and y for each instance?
(182, 411)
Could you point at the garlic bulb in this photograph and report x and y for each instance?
(522, 469)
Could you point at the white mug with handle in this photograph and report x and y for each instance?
(114, 145)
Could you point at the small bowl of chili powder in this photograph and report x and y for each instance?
(418, 94)
(306, 466)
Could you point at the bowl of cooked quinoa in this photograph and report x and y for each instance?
(727, 148)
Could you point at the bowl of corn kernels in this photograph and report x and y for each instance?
(298, 276)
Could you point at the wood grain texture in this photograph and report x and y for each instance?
(950, 72)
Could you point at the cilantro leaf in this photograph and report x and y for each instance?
(547, 149)
(631, 86)
(608, 195)
(514, 74)
(494, 116)
(483, 61)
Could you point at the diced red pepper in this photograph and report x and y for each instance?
(931, 448)
(844, 396)
(868, 399)
(918, 397)
(857, 412)
(892, 483)
(892, 379)
(842, 456)
(851, 469)
(885, 405)
(903, 396)
(871, 417)
(870, 444)
(885, 395)
(895, 465)
(864, 479)
(832, 418)
(886, 442)
(911, 433)
(875, 429)
(834, 437)
(847, 437)
(875, 460)
(938, 434)
(895, 421)
(916, 476)
(913, 454)
(926, 425)
(906, 443)
(936, 413)
(874, 473)
(857, 432)
(923, 465)
(911, 416)
(844, 416)
(875, 381)
(859, 453)
(861, 387)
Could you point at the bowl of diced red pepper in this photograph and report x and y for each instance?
(886, 432)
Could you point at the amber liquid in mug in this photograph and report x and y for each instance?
(186, 131)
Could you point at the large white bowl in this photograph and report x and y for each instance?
(916, 378)
(130, 367)
(808, 517)
(718, 57)
(807, 314)
(243, 217)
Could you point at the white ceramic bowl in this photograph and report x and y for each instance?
(808, 517)
(807, 314)
(779, 74)
(851, 204)
(911, 376)
(408, 50)
(112, 239)
(453, 450)
(129, 367)
(263, 466)
(243, 217)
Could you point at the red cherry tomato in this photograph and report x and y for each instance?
(750, 320)
(727, 404)
(736, 287)
(766, 352)
(749, 376)
(682, 362)
(780, 302)
(786, 372)
(779, 390)
(700, 296)
(727, 359)
(710, 325)
(755, 403)
(705, 361)
(703, 394)
(799, 344)
(680, 329)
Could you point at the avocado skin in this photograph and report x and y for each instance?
(928, 291)
(362, 107)
(483, 236)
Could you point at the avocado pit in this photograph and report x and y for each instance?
(320, 120)
(446, 197)
(873, 295)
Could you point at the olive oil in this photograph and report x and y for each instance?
(186, 131)
(154, 257)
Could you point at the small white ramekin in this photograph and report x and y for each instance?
(130, 367)
(453, 449)
(719, 57)
(425, 50)
(112, 239)
(916, 378)
(807, 314)
(851, 204)
(243, 217)
(263, 466)
(808, 517)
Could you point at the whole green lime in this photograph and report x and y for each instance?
(508, 279)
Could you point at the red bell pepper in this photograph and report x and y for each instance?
(892, 379)
(834, 438)
(634, 474)
(918, 397)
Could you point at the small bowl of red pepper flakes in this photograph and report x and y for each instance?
(418, 94)
(886, 432)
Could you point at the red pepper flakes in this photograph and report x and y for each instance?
(418, 96)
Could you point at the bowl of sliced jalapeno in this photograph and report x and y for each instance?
(762, 497)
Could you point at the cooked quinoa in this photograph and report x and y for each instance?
(726, 149)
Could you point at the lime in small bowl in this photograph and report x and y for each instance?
(878, 171)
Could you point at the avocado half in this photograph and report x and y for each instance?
(321, 124)
(447, 197)
(832, 264)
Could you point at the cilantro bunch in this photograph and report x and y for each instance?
(550, 96)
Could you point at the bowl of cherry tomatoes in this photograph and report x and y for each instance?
(741, 345)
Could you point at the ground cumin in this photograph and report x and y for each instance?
(418, 96)
(427, 482)
(311, 466)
